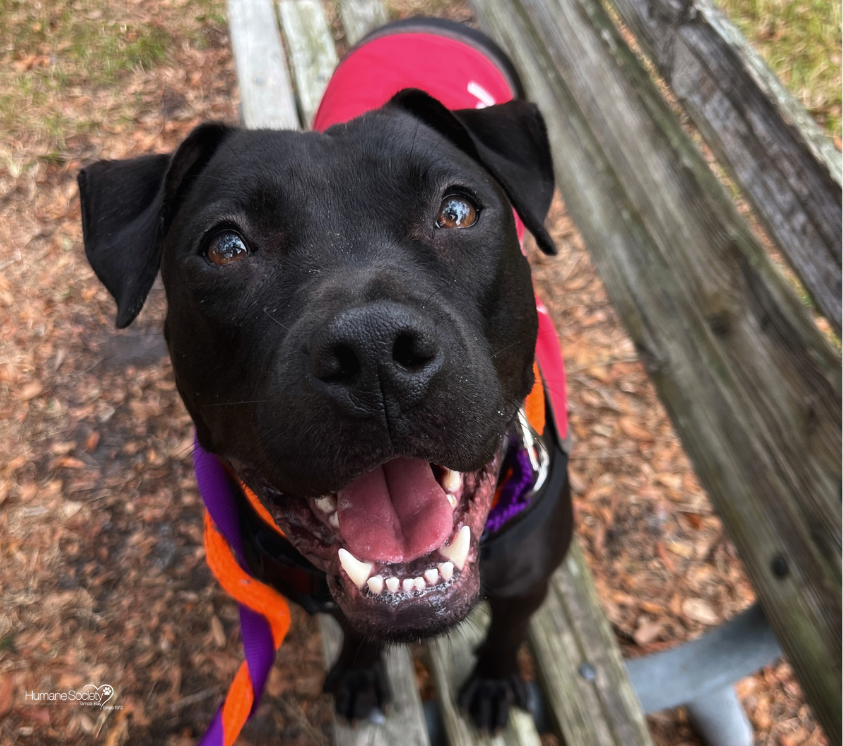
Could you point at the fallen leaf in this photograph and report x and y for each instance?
(30, 391)
(699, 610)
(92, 441)
(703, 546)
(633, 430)
(183, 449)
(28, 490)
(71, 508)
(652, 608)
(624, 599)
(63, 448)
(7, 696)
(86, 723)
(682, 550)
(218, 632)
(68, 462)
(15, 464)
(695, 519)
(796, 738)
(647, 632)
(671, 481)
(579, 484)
(664, 556)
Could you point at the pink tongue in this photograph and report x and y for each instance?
(395, 513)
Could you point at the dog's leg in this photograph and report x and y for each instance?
(358, 677)
(495, 684)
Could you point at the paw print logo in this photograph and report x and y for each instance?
(96, 695)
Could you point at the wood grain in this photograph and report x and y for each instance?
(752, 387)
(404, 725)
(359, 17)
(580, 664)
(452, 660)
(266, 96)
(311, 48)
(786, 167)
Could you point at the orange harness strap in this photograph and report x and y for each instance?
(259, 598)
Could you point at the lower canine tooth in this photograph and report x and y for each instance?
(457, 551)
(334, 520)
(408, 585)
(447, 570)
(432, 576)
(375, 584)
(358, 571)
(392, 584)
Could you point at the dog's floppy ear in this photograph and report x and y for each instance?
(127, 207)
(509, 140)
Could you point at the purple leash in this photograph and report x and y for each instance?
(219, 495)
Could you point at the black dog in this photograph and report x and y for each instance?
(352, 328)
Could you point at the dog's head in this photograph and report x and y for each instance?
(352, 327)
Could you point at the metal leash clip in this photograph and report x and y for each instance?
(536, 452)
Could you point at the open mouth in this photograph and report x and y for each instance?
(398, 543)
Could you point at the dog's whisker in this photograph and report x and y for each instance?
(275, 320)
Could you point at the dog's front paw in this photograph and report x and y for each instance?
(487, 700)
(358, 692)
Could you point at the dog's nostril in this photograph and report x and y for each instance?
(348, 365)
(408, 352)
(335, 364)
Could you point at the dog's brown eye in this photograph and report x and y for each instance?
(226, 247)
(456, 212)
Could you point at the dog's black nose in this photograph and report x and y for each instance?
(382, 349)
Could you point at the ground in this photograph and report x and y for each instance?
(102, 573)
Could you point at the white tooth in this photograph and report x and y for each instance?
(408, 585)
(451, 499)
(418, 583)
(375, 584)
(458, 550)
(452, 480)
(447, 570)
(358, 571)
(392, 584)
(326, 504)
(334, 520)
(432, 576)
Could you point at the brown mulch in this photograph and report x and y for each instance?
(102, 574)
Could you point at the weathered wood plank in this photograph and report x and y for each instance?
(789, 171)
(752, 387)
(404, 723)
(266, 95)
(359, 17)
(452, 660)
(580, 665)
(311, 48)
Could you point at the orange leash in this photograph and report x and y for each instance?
(259, 598)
